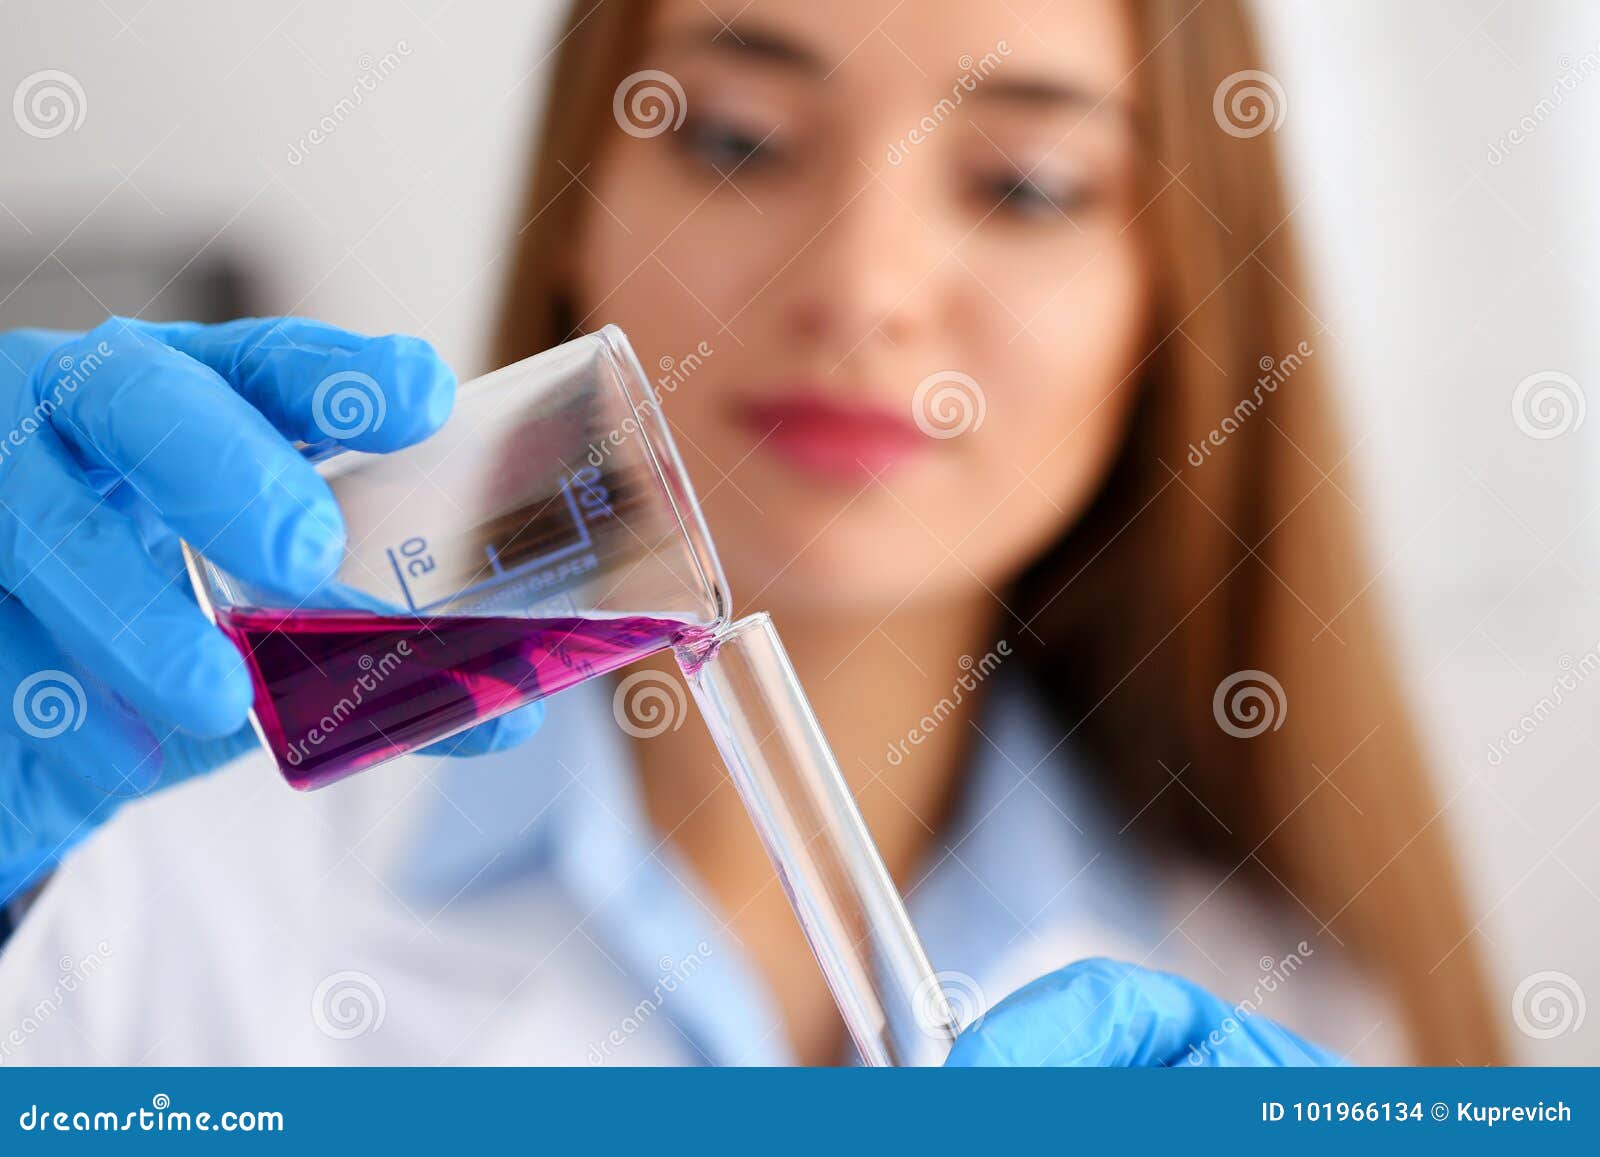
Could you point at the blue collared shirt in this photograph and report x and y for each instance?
(1030, 869)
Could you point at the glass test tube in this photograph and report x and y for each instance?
(891, 1000)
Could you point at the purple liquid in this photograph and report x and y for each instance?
(338, 691)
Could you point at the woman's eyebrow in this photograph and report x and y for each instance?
(750, 42)
(1049, 94)
(763, 44)
(1040, 91)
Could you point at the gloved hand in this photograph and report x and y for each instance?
(1108, 1014)
(113, 444)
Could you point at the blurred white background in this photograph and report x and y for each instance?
(1450, 268)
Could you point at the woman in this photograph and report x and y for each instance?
(866, 214)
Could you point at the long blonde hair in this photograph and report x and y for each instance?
(1219, 561)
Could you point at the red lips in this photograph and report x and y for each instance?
(831, 438)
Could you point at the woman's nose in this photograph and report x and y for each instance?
(870, 260)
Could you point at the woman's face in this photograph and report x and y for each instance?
(886, 273)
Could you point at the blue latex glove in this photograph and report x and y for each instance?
(113, 444)
(1108, 1014)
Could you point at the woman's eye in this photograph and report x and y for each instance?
(726, 147)
(1018, 195)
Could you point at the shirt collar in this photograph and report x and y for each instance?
(1029, 853)
(1031, 871)
(567, 804)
